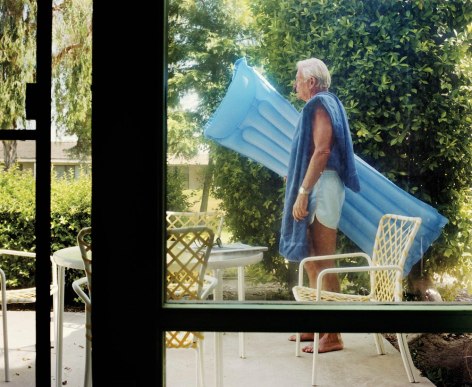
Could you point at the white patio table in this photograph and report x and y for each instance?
(67, 258)
(228, 256)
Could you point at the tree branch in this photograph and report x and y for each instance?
(57, 58)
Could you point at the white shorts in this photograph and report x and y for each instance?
(326, 200)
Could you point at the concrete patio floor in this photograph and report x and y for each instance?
(270, 360)
(21, 336)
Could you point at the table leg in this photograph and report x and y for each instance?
(218, 292)
(59, 324)
(241, 297)
(218, 296)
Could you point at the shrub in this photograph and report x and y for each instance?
(400, 69)
(176, 199)
(70, 211)
(252, 199)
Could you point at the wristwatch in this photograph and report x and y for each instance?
(303, 191)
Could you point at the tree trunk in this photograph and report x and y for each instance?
(9, 153)
(206, 185)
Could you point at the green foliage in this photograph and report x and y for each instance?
(402, 69)
(72, 71)
(70, 211)
(17, 59)
(176, 199)
(252, 199)
(457, 239)
(17, 206)
(181, 129)
(70, 208)
(204, 40)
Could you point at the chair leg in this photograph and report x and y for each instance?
(379, 344)
(406, 356)
(88, 364)
(218, 359)
(297, 345)
(316, 345)
(241, 298)
(6, 354)
(200, 374)
(54, 316)
(88, 346)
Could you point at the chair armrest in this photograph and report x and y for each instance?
(337, 270)
(330, 257)
(211, 283)
(28, 254)
(54, 272)
(17, 253)
(77, 286)
(3, 285)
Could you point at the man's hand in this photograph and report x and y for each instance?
(300, 208)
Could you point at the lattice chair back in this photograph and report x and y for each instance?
(393, 241)
(84, 240)
(211, 219)
(188, 251)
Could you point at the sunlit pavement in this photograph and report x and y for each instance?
(21, 335)
(270, 360)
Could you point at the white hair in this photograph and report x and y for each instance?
(316, 68)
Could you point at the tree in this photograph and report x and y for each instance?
(396, 65)
(17, 66)
(72, 72)
(205, 39)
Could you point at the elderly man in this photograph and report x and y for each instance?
(321, 165)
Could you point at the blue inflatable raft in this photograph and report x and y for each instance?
(256, 121)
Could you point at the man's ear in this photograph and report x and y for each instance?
(313, 82)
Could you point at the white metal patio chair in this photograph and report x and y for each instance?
(19, 296)
(395, 235)
(188, 250)
(85, 245)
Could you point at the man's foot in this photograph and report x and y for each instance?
(329, 342)
(303, 337)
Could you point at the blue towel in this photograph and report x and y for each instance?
(293, 235)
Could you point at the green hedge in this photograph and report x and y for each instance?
(70, 211)
(176, 200)
(402, 70)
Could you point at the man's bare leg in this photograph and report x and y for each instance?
(324, 243)
(307, 336)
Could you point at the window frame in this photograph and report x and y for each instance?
(289, 317)
(140, 328)
(38, 107)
